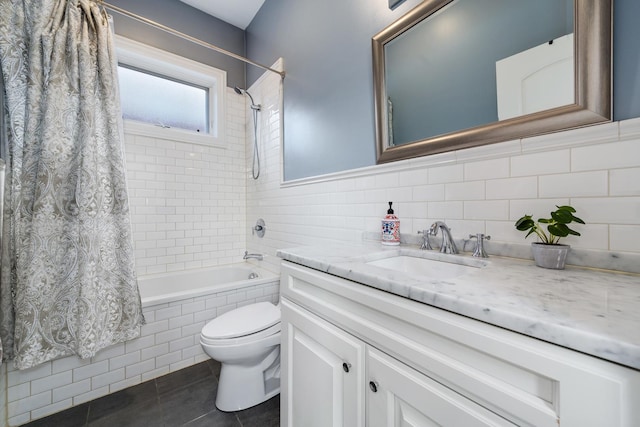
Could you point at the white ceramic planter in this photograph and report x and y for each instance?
(550, 256)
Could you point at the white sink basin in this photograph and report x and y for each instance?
(424, 267)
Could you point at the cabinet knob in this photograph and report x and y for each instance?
(373, 386)
(346, 367)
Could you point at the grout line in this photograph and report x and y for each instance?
(86, 421)
(162, 414)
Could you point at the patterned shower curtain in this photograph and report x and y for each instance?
(68, 279)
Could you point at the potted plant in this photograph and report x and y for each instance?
(548, 253)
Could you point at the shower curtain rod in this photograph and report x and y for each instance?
(189, 38)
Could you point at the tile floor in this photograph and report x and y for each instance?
(182, 398)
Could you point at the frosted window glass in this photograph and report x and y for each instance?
(162, 101)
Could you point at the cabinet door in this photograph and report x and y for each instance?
(323, 372)
(400, 396)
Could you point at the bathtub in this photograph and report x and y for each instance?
(170, 287)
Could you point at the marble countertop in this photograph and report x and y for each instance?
(596, 312)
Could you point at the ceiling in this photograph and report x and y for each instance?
(235, 12)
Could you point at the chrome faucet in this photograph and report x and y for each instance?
(426, 243)
(247, 255)
(480, 252)
(448, 246)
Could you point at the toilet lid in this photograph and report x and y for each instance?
(251, 338)
(242, 321)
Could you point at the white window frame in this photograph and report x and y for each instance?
(163, 63)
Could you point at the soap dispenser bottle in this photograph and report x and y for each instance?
(390, 228)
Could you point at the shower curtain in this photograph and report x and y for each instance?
(68, 279)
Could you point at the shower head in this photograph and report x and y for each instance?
(240, 91)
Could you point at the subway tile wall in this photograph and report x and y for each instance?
(188, 201)
(169, 341)
(479, 190)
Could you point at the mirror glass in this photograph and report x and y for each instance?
(453, 74)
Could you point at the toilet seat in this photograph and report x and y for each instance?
(227, 342)
(247, 323)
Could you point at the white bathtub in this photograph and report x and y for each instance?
(169, 287)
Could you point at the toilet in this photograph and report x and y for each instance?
(246, 341)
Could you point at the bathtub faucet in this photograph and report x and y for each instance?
(247, 255)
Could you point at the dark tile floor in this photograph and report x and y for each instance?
(182, 398)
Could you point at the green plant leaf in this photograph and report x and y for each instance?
(573, 232)
(525, 223)
(545, 221)
(576, 219)
(560, 230)
(563, 217)
(566, 208)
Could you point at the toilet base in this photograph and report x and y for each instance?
(241, 387)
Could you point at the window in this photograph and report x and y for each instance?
(167, 96)
(154, 99)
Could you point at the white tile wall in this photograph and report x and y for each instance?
(578, 184)
(486, 169)
(624, 182)
(624, 237)
(485, 189)
(611, 210)
(470, 190)
(188, 201)
(446, 174)
(558, 161)
(168, 342)
(618, 154)
(512, 188)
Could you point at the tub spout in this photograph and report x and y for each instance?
(247, 255)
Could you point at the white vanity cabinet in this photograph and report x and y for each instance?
(400, 396)
(355, 356)
(322, 378)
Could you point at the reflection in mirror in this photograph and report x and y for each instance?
(453, 74)
(440, 50)
(536, 79)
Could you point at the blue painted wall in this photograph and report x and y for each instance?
(328, 105)
(186, 19)
(626, 59)
(328, 91)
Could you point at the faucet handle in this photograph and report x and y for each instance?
(480, 252)
(433, 230)
(426, 244)
(479, 236)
